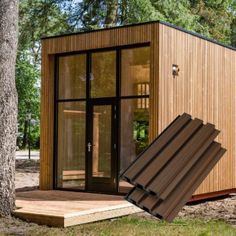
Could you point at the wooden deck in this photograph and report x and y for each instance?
(63, 209)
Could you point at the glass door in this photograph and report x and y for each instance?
(88, 88)
(101, 147)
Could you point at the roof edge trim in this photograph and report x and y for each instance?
(145, 23)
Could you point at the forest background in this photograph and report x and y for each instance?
(215, 19)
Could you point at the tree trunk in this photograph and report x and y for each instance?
(111, 15)
(8, 104)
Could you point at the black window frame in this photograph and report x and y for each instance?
(88, 100)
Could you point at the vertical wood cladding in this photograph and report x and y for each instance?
(75, 43)
(205, 88)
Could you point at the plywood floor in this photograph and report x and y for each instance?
(63, 208)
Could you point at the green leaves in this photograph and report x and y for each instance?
(37, 18)
(27, 84)
(213, 18)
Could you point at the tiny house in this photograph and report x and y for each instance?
(106, 94)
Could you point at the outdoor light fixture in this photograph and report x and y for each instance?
(91, 76)
(175, 70)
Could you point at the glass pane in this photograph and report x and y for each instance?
(72, 76)
(135, 71)
(71, 145)
(102, 141)
(103, 74)
(134, 132)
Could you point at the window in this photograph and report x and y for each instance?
(134, 130)
(103, 74)
(135, 71)
(134, 123)
(72, 77)
(71, 145)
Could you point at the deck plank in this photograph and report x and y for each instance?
(63, 208)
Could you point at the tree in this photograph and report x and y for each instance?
(37, 18)
(215, 18)
(8, 104)
(27, 84)
(111, 13)
(233, 25)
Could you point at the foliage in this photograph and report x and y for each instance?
(233, 25)
(37, 18)
(27, 77)
(213, 18)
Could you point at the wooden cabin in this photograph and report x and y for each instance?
(106, 94)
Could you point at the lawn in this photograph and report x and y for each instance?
(128, 226)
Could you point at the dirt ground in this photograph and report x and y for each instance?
(222, 209)
(27, 175)
(27, 178)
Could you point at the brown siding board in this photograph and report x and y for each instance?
(149, 202)
(146, 176)
(177, 170)
(187, 167)
(168, 209)
(193, 188)
(137, 195)
(180, 162)
(192, 176)
(159, 173)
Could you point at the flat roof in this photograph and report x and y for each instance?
(144, 23)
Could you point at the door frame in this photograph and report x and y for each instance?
(88, 99)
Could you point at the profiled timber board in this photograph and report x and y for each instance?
(166, 177)
(63, 209)
(169, 207)
(160, 170)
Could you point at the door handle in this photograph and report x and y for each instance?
(89, 145)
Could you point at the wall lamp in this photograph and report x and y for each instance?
(175, 70)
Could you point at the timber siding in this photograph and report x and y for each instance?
(205, 87)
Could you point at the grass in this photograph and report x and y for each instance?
(130, 226)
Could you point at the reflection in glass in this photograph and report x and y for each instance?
(134, 133)
(71, 145)
(72, 76)
(135, 71)
(103, 74)
(102, 141)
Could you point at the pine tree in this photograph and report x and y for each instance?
(8, 104)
